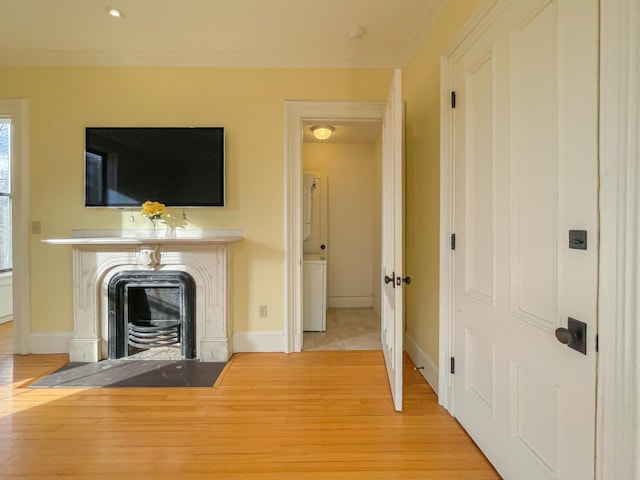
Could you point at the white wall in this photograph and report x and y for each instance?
(6, 300)
(351, 181)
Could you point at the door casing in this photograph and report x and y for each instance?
(296, 113)
(17, 110)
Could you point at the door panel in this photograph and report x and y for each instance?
(525, 128)
(480, 364)
(534, 163)
(532, 398)
(480, 200)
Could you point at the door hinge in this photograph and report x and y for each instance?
(453, 365)
(453, 241)
(453, 99)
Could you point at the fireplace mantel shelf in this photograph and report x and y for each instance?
(143, 237)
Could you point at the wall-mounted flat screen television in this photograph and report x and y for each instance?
(177, 166)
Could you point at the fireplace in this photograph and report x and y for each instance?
(101, 255)
(151, 310)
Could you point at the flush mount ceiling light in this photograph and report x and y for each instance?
(322, 133)
(115, 12)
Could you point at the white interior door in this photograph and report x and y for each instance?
(525, 142)
(392, 256)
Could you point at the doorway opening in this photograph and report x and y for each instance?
(342, 236)
(14, 276)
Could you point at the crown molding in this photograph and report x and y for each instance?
(24, 58)
(426, 25)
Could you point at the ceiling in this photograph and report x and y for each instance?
(240, 33)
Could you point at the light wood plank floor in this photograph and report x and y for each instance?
(314, 415)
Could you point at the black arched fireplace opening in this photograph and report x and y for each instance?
(150, 310)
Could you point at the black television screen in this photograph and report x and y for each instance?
(177, 166)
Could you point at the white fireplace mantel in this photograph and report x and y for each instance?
(99, 254)
(139, 237)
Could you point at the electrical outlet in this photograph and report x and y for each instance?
(262, 311)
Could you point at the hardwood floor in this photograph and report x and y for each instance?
(314, 415)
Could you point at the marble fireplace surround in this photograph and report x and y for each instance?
(99, 254)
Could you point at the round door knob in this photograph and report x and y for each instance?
(323, 246)
(388, 279)
(564, 335)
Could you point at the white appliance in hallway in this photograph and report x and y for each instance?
(314, 281)
(314, 265)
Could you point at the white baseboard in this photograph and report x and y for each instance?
(344, 301)
(6, 318)
(377, 306)
(52, 342)
(421, 359)
(264, 341)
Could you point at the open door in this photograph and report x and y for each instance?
(392, 255)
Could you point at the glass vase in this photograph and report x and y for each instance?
(153, 232)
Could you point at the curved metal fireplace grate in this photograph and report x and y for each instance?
(154, 336)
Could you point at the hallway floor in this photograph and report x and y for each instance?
(347, 329)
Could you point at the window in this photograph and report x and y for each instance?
(5, 195)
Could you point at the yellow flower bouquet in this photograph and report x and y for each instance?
(154, 212)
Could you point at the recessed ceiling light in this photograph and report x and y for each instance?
(115, 12)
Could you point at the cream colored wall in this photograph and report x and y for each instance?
(421, 87)
(351, 189)
(6, 294)
(247, 102)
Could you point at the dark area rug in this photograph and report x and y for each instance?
(133, 373)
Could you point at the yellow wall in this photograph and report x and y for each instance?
(247, 102)
(421, 87)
